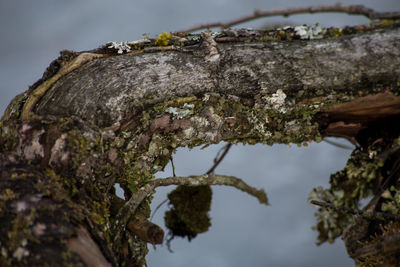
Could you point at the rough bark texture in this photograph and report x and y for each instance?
(115, 115)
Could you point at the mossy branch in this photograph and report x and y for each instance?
(214, 179)
(207, 179)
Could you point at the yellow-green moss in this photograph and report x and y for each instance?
(8, 194)
(163, 39)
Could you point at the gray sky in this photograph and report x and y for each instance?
(243, 233)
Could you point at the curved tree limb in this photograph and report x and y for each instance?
(370, 215)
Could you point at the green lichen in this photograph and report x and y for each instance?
(348, 186)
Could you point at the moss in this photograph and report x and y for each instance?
(189, 214)
(163, 39)
(101, 216)
(8, 195)
(21, 234)
(386, 22)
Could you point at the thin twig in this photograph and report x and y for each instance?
(158, 207)
(131, 205)
(350, 9)
(218, 159)
(173, 167)
(337, 144)
(370, 215)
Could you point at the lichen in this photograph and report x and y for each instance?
(348, 186)
(121, 47)
(309, 33)
(276, 101)
(183, 112)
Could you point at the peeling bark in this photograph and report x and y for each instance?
(98, 118)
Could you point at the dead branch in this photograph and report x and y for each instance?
(139, 224)
(218, 159)
(146, 230)
(333, 143)
(370, 215)
(339, 8)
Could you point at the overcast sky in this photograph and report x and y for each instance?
(243, 233)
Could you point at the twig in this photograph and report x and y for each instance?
(158, 207)
(351, 10)
(337, 144)
(131, 205)
(173, 167)
(370, 215)
(218, 159)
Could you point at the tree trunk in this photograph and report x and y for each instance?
(117, 113)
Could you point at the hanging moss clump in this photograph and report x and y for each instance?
(189, 213)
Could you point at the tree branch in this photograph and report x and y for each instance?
(131, 205)
(370, 215)
(218, 159)
(111, 117)
(339, 8)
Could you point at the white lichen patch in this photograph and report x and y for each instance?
(117, 104)
(206, 97)
(200, 121)
(183, 112)
(267, 134)
(153, 149)
(309, 33)
(126, 47)
(21, 251)
(22, 206)
(39, 229)
(34, 149)
(276, 101)
(188, 133)
(121, 47)
(58, 154)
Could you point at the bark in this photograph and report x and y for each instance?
(117, 113)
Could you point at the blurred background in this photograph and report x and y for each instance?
(243, 233)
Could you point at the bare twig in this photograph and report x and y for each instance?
(337, 144)
(173, 167)
(218, 159)
(370, 215)
(158, 207)
(351, 10)
(131, 205)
